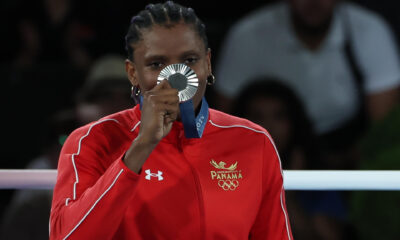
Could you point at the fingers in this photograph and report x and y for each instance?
(155, 100)
(163, 100)
(169, 112)
(173, 93)
(162, 93)
(159, 110)
(162, 89)
(164, 84)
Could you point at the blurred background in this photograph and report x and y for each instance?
(322, 76)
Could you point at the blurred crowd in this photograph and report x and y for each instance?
(322, 76)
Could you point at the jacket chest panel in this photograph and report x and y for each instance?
(198, 184)
(166, 197)
(231, 183)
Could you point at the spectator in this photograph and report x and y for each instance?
(268, 102)
(339, 58)
(27, 215)
(48, 61)
(105, 91)
(50, 32)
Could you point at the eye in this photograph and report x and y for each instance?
(191, 60)
(156, 65)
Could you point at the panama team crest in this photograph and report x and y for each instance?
(227, 177)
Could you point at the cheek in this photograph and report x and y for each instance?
(202, 74)
(147, 80)
(202, 85)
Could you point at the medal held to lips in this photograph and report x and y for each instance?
(183, 78)
(180, 77)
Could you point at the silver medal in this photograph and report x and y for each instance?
(181, 77)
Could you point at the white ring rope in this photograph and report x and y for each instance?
(27, 179)
(294, 180)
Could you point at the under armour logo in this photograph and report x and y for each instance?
(149, 174)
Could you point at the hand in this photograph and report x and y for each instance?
(160, 109)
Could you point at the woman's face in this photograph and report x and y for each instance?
(161, 46)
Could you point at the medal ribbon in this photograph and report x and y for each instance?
(194, 126)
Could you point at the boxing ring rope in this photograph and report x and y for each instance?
(294, 180)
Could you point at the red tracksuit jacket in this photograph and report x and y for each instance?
(226, 185)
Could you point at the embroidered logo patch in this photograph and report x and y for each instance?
(149, 175)
(227, 177)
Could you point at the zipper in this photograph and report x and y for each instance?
(198, 189)
(200, 200)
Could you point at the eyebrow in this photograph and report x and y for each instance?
(155, 57)
(190, 52)
(163, 57)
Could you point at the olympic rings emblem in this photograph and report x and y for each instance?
(228, 184)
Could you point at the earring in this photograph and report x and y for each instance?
(135, 93)
(210, 80)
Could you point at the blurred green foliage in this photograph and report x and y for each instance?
(376, 214)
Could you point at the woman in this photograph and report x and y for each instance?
(134, 175)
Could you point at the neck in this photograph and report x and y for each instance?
(311, 36)
(197, 108)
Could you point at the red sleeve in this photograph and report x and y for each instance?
(93, 189)
(272, 221)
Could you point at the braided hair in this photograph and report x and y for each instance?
(164, 14)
